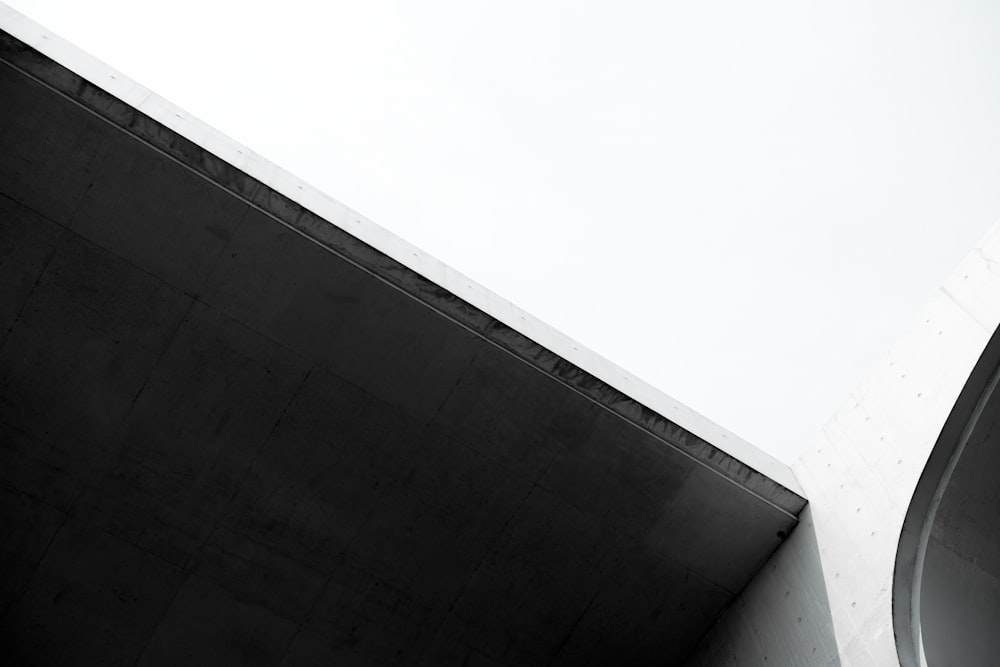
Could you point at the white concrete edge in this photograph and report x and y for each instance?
(352, 222)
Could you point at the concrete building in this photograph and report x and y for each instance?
(242, 424)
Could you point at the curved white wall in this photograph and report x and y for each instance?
(947, 580)
(826, 596)
(960, 592)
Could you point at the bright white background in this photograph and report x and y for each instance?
(741, 203)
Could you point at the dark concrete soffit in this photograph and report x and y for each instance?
(296, 217)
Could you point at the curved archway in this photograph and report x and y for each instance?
(946, 584)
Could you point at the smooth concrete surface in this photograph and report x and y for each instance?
(834, 594)
(233, 433)
(947, 578)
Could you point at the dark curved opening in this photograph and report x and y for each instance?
(946, 588)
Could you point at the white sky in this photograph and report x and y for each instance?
(741, 203)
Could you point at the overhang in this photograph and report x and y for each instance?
(242, 421)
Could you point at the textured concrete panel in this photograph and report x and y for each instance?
(550, 551)
(75, 360)
(619, 474)
(522, 419)
(649, 610)
(363, 619)
(311, 649)
(207, 626)
(704, 500)
(259, 574)
(94, 600)
(153, 212)
(79, 349)
(209, 406)
(345, 319)
(29, 526)
(449, 511)
(328, 463)
(49, 156)
(27, 243)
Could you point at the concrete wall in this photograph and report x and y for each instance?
(827, 596)
(233, 433)
(218, 444)
(948, 567)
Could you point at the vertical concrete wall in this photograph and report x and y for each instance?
(826, 597)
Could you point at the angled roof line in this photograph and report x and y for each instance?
(341, 230)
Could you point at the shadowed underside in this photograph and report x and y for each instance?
(230, 432)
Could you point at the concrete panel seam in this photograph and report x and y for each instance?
(576, 624)
(48, 260)
(958, 302)
(26, 584)
(489, 551)
(115, 442)
(453, 388)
